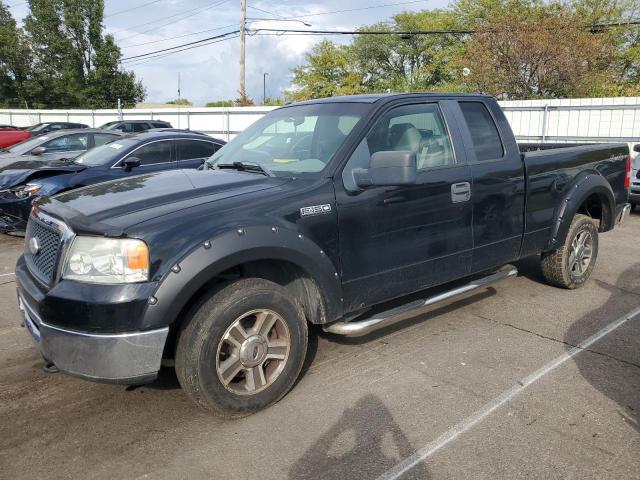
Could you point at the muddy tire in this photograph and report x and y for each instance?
(242, 349)
(570, 266)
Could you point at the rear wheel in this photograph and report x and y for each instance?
(242, 349)
(571, 265)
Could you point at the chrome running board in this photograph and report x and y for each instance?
(410, 310)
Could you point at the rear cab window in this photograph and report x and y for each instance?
(484, 133)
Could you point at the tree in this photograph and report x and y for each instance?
(547, 54)
(73, 63)
(407, 63)
(14, 61)
(220, 103)
(180, 101)
(329, 71)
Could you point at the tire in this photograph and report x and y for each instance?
(222, 340)
(560, 267)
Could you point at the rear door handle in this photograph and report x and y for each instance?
(460, 192)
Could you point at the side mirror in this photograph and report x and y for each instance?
(38, 151)
(636, 147)
(131, 162)
(388, 169)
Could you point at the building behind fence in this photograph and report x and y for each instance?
(614, 119)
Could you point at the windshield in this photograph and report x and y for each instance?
(37, 127)
(293, 141)
(28, 145)
(109, 125)
(104, 154)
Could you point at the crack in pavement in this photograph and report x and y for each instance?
(553, 339)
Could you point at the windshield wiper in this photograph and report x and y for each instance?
(245, 167)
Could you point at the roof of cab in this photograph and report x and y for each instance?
(375, 97)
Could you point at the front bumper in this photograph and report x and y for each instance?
(125, 358)
(14, 213)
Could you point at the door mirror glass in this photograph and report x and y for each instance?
(131, 162)
(388, 168)
(38, 151)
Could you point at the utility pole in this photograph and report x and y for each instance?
(264, 87)
(179, 86)
(243, 21)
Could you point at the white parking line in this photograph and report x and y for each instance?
(454, 432)
(6, 274)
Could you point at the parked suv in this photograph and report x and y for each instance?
(340, 212)
(135, 126)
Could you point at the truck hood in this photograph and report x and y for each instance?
(109, 207)
(20, 171)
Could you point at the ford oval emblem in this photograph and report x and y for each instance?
(34, 246)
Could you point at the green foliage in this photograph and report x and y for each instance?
(180, 101)
(273, 102)
(329, 71)
(220, 103)
(520, 49)
(62, 59)
(14, 58)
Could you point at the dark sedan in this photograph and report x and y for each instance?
(24, 181)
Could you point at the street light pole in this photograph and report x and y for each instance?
(264, 87)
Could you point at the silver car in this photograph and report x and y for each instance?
(57, 145)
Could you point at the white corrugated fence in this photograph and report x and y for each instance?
(615, 119)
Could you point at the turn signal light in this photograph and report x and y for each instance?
(627, 178)
(137, 256)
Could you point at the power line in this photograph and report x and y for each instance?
(166, 39)
(258, 31)
(596, 27)
(197, 42)
(195, 11)
(162, 55)
(370, 7)
(132, 8)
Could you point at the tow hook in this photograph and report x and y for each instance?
(49, 367)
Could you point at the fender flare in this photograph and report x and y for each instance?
(583, 186)
(212, 257)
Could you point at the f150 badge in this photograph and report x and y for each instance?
(315, 210)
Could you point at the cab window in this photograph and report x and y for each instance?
(418, 128)
(483, 130)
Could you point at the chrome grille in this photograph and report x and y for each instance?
(44, 262)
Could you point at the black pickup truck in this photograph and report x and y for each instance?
(327, 212)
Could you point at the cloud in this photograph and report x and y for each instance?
(211, 72)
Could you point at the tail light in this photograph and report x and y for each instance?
(627, 178)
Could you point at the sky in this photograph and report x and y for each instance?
(211, 72)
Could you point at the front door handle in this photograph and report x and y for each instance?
(460, 192)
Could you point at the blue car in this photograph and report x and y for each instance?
(23, 181)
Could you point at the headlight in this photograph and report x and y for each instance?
(107, 260)
(26, 191)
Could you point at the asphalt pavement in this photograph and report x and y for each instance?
(521, 380)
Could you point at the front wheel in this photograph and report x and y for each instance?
(242, 349)
(571, 265)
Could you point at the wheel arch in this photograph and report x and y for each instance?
(285, 257)
(589, 194)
